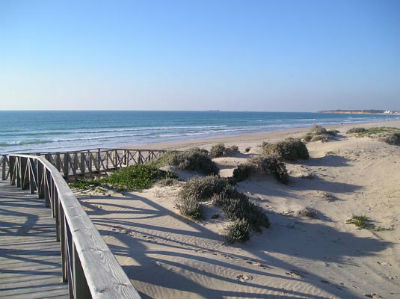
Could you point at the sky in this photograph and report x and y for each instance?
(297, 55)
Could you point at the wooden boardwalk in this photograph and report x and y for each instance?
(30, 262)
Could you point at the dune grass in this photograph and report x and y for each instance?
(361, 222)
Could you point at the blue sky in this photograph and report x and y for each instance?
(197, 55)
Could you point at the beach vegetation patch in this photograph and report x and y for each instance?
(136, 177)
(195, 159)
(356, 130)
(374, 131)
(390, 135)
(131, 178)
(221, 193)
(85, 184)
(238, 231)
(190, 207)
(203, 188)
(220, 150)
(237, 205)
(393, 139)
(319, 133)
(290, 149)
(361, 222)
(268, 165)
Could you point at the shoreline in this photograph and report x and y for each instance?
(252, 138)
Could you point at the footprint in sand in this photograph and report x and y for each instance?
(244, 277)
(294, 274)
(373, 295)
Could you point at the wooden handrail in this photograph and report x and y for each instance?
(75, 164)
(88, 265)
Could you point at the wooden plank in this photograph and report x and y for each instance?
(104, 277)
(28, 269)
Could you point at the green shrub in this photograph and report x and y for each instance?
(393, 139)
(194, 160)
(238, 231)
(243, 172)
(318, 133)
(270, 165)
(234, 148)
(132, 178)
(374, 131)
(262, 165)
(237, 206)
(190, 207)
(136, 177)
(218, 150)
(318, 130)
(203, 188)
(356, 130)
(290, 150)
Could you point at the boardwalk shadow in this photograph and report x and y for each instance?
(175, 251)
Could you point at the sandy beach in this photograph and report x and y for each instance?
(169, 256)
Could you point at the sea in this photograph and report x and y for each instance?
(50, 131)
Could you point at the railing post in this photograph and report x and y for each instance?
(58, 161)
(11, 166)
(3, 167)
(32, 179)
(66, 165)
(24, 174)
(40, 179)
(81, 289)
(46, 186)
(83, 164)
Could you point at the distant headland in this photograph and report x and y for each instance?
(370, 111)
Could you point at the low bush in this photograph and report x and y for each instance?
(203, 188)
(243, 172)
(290, 149)
(247, 149)
(356, 130)
(190, 207)
(194, 160)
(219, 150)
(318, 133)
(222, 194)
(271, 165)
(393, 139)
(238, 231)
(262, 165)
(237, 206)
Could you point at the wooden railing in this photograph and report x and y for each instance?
(88, 265)
(75, 164)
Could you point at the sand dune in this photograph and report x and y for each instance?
(169, 256)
